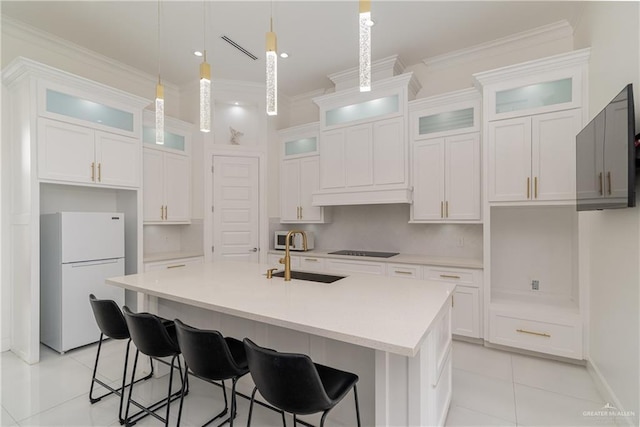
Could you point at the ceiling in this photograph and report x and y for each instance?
(320, 36)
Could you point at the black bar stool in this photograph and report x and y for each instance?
(155, 338)
(212, 357)
(293, 383)
(112, 325)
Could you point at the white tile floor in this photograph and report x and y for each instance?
(490, 388)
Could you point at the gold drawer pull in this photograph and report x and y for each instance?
(99, 172)
(528, 188)
(93, 171)
(311, 259)
(403, 272)
(176, 266)
(449, 276)
(540, 334)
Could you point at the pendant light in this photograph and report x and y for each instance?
(159, 95)
(205, 81)
(272, 70)
(365, 45)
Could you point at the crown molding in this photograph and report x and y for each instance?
(308, 96)
(392, 63)
(390, 82)
(65, 48)
(445, 99)
(518, 41)
(574, 58)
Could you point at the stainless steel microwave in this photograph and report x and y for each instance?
(295, 241)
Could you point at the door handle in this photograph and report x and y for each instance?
(528, 188)
(609, 182)
(253, 250)
(99, 172)
(535, 187)
(161, 212)
(93, 171)
(600, 180)
(166, 215)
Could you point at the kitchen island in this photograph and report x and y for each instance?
(394, 333)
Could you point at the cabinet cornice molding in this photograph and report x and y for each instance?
(403, 80)
(446, 99)
(575, 58)
(391, 65)
(313, 127)
(21, 68)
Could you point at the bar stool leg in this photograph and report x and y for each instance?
(355, 394)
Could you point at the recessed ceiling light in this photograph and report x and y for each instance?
(284, 55)
(197, 53)
(236, 103)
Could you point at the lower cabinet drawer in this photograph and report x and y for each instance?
(404, 270)
(172, 263)
(561, 336)
(347, 266)
(310, 263)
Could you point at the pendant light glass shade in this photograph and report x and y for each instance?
(159, 113)
(365, 45)
(272, 74)
(205, 95)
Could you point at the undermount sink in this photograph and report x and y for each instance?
(312, 277)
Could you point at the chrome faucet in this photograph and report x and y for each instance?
(287, 256)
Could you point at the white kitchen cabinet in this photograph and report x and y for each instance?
(72, 153)
(167, 183)
(467, 298)
(300, 175)
(364, 145)
(172, 263)
(411, 271)
(310, 263)
(446, 179)
(533, 158)
(167, 173)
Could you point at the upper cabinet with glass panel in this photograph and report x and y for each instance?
(299, 141)
(449, 114)
(535, 87)
(88, 108)
(177, 134)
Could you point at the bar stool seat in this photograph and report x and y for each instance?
(212, 357)
(112, 325)
(156, 338)
(293, 383)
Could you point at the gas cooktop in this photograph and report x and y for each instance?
(364, 253)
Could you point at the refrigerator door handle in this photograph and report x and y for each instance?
(92, 263)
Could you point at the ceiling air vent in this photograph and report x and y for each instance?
(240, 48)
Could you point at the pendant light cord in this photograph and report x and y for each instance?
(158, 41)
(204, 29)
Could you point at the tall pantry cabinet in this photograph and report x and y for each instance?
(532, 112)
(70, 144)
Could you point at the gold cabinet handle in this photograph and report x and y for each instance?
(161, 212)
(301, 216)
(402, 272)
(176, 266)
(298, 216)
(99, 172)
(311, 259)
(600, 181)
(452, 295)
(446, 209)
(449, 276)
(166, 215)
(535, 187)
(441, 209)
(540, 334)
(528, 188)
(93, 171)
(609, 182)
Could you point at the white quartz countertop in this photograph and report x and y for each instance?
(399, 259)
(384, 313)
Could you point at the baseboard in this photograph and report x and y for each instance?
(610, 397)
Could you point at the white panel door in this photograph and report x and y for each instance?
(509, 162)
(177, 184)
(465, 314)
(118, 159)
(428, 180)
(153, 185)
(235, 208)
(332, 160)
(553, 162)
(65, 152)
(359, 155)
(389, 151)
(462, 177)
(309, 183)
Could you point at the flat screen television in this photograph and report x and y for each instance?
(606, 157)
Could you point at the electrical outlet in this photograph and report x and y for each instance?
(535, 285)
(460, 242)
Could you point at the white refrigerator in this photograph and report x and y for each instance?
(78, 251)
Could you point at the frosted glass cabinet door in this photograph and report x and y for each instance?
(66, 152)
(118, 160)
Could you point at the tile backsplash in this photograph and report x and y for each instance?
(386, 228)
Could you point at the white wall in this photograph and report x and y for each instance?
(611, 238)
(5, 298)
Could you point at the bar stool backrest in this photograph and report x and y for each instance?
(109, 318)
(207, 353)
(149, 334)
(288, 381)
